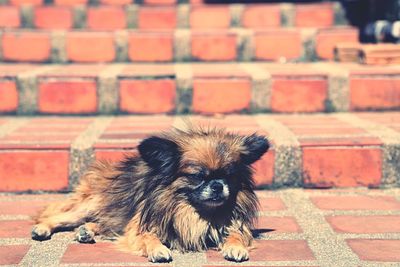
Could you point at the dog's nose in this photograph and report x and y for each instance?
(217, 187)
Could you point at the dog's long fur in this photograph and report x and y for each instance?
(143, 199)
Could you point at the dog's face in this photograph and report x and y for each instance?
(208, 168)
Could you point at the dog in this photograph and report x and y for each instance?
(187, 190)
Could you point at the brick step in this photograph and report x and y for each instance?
(278, 44)
(115, 17)
(322, 150)
(202, 88)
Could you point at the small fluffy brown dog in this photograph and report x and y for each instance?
(185, 190)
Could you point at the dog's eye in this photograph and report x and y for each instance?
(198, 175)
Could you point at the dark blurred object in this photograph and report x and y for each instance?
(381, 31)
(374, 18)
(260, 1)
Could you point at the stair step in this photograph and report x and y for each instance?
(222, 16)
(278, 44)
(322, 150)
(205, 88)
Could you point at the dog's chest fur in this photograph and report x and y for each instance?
(195, 233)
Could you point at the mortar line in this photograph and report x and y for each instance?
(7, 217)
(183, 16)
(195, 259)
(11, 125)
(261, 87)
(182, 44)
(389, 236)
(379, 264)
(15, 241)
(288, 153)
(82, 152)
(125, 264)
(338, 86)
(28, 89)
(236, 13)
(47, 253)
(184, 87)
(361, 212)
(245, 47)
(265, 263)
(329, 248)
(107, 89)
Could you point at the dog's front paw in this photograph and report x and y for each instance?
(160, 254)
(41, 232)
(83, 235)
(235, 253)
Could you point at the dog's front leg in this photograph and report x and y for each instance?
(235, 247)
(146, 243)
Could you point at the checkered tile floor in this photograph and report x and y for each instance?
(296, 227)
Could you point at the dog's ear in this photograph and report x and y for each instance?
(254, 147)
(162, 155)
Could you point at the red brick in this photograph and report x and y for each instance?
(15, 229)
(378, 93)
(33, 170)
(299, 95)
(356, 203)
(260, 16)
(26, 2)
(214, 47)
(151, 47)
(277, 44)
(326, 40)
(147, 96)
(53, 17)
(365, 224)
(90, 46)
(314, 15)
(342, 166)
(273, 250)
(12, 254)
(157, 18)
(67, 97)
(160, 2)
(9, 17)
(115, 2)
(210, 95)
(98, 253)
(70, 2)
(271, 203)
(112, 155)
(209, 17)
(30, 207)
(264, 169)
(271, 225)
(106, 18)
(376, 249)
(8, 96)
(26, 46)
